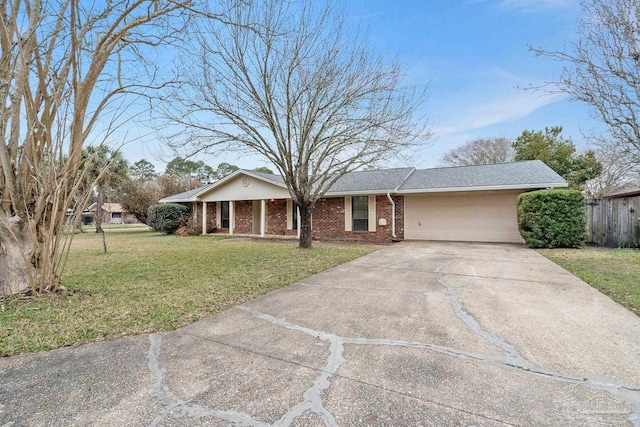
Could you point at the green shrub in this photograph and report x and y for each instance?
(167, 217)
(552, 218)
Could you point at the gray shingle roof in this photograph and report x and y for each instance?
(527, 174)
(270, 176)
(378, 180)
(184, 197)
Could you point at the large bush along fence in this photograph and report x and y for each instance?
(552, 218)
(167, 217)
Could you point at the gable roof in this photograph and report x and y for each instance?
(517, 175)
(527, 174)
(192, 195)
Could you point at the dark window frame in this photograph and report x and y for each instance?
(294, 215)
(224, 214)
(360, 213)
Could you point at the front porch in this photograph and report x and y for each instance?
(266, 218)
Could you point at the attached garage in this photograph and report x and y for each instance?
(479, 216)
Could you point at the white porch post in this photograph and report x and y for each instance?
(263, 216)
(298, 212)
(204, 217)
(232, 215)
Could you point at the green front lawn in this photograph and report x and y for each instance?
(615, 272)
(153, 282)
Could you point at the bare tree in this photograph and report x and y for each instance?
(485, 151)
(602, 68)
(290, 82)
(63, 65)
(618, 173)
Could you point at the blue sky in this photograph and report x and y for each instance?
(475, 56)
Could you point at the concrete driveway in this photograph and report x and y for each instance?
(428, 334)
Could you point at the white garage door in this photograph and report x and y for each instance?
(470, 217)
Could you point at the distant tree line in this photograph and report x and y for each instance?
(597, 172)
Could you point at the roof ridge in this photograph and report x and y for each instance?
(395, 190)
(473, 166)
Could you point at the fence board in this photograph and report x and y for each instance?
(614, 222)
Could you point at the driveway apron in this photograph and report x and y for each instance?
(418, 333)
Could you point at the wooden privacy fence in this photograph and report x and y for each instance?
(614, 222)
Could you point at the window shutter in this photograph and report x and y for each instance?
(218, 215)
(372, 213)
(347, 213)
(289, 214)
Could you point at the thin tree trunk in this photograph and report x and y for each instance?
(104, 240)
(99, 212)
(99, 217)
(305, 227)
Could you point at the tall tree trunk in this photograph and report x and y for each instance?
(305, 226)
(17, 272)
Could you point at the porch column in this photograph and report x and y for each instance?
(204, 218)
(263, 217)
(298, 212)
(232, 215)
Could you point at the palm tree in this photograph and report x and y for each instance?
(105, 170)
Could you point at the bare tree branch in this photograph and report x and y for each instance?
(485, 151)
(289, 81)
(602, 68)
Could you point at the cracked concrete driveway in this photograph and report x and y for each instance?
(429, 334)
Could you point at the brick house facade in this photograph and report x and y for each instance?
(471, 203)
(327, 219)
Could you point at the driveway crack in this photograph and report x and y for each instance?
(514, 359)
(175, 406)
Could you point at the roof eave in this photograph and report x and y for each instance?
(485, 188)
(168, 200)
(358, 193)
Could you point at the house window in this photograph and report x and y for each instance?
(294, 216)
(116, 217)
(360, 213)
(224, 214)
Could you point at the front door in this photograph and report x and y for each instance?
(256, 217)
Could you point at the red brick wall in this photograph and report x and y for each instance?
(277, 218)
(196, 212)
(244, 217)
(328, 220)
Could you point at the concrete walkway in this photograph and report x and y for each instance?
(427, 334)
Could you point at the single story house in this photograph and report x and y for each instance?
(114, 213)
(468, 203)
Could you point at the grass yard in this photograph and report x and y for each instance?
(615, 272)
(153, 282)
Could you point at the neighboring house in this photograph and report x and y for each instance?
(113, 214)
(469, 203)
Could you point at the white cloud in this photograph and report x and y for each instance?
(495, 97)
(506, 108)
